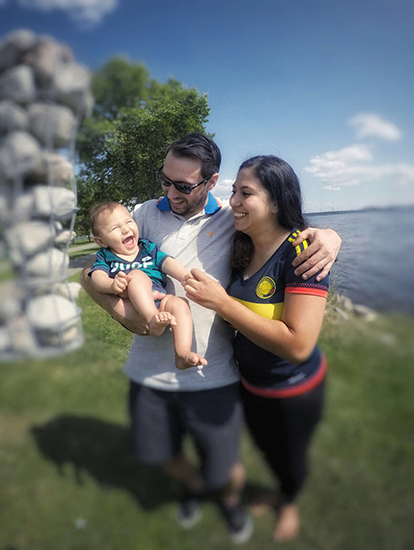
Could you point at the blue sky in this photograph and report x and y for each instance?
(326, 85)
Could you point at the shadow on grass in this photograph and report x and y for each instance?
(101, 450)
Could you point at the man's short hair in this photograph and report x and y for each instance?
(96, 212)
(201, 147)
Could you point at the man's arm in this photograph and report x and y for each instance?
(105, 284)
(120, 309)
(320, 254)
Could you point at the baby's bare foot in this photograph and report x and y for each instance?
(159, 322)
(288, 523)
(189, 359)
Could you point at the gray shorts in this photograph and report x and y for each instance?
(160, 419)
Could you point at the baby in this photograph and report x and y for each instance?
(132, 268)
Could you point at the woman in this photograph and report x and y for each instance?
(278, 317)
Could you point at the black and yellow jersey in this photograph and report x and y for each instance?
(263, 372)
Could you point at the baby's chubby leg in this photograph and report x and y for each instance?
(182, 332)
(141, 297)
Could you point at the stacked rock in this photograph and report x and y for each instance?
(43, 95)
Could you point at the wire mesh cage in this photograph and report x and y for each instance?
(43, 96)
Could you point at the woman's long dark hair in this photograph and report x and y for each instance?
(283, 188)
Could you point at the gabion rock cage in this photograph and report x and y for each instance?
(43, 96)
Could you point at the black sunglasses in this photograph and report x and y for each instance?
(184, 188)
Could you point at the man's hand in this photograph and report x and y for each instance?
(124, 312)
(157, 295)
(320, 254)
(121, 310)
(120, 282)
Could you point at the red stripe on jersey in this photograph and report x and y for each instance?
(291, 392)
(306, 290)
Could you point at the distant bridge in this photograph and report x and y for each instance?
(368, 209)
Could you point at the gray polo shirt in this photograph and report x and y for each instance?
(204, 242)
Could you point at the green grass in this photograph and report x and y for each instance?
(6, 274)
(64, 452)
(81, 240)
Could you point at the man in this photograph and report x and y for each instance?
(165, 403)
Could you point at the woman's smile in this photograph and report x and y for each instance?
(248, 194)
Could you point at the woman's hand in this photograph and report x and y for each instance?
(206, 292)
(186, 278)
(320, 254)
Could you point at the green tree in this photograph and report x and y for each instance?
(124, 142)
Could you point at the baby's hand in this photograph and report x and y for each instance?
(120, 282)
(185, 278)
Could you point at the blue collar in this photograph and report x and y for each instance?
(212, 206)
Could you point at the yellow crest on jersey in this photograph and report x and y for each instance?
(265, 288)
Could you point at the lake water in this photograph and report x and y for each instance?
(376, 262)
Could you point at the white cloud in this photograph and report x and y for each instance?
(355, 165)
(331, 188)
(89, 12)
(372, 125)
(222, 189)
